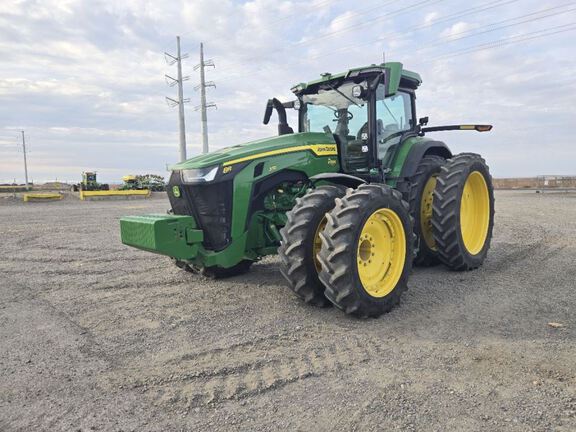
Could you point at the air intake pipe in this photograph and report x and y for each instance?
(283, 127)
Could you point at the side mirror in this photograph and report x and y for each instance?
(423, 121)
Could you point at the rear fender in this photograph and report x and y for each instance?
(418, 151)
(423, 147)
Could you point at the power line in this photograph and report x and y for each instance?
(395, 36)
(474, 32)
(510, 40)
(170, 59)
(363, 11)
(203, 105)
(393, 13)
(364, 23)
(272, 24)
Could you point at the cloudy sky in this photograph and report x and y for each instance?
(85, 79)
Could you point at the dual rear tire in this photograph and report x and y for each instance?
(365, 257)
(463, 212)
(355, 250)
(452, 202)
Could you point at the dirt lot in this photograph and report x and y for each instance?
(98, 336)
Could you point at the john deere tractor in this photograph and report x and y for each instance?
(89, 183)
(349, 200)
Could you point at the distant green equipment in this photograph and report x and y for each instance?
(89, 183)
(152, 182)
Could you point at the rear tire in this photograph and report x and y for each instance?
(367, 251)
(420, 200)
(301, 243)
(463, 212)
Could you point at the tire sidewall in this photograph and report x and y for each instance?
(416, 208)
(322, 209)
(367, 210)
(476, 165)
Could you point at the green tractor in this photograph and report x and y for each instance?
(350, 201)
(152, 182)
(89, 183)
(131, 182)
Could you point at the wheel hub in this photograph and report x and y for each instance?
(474, 213)
(426, 213)
(381, 252)
(318, 244)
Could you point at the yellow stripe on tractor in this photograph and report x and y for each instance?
(317, 149)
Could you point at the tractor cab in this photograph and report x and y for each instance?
(368, 111)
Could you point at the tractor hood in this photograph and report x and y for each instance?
(255, 149)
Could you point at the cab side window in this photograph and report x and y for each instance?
(394, 115)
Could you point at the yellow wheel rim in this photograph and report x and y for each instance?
(381, 252)
(474, 213)
(318, 244)
(426, 213)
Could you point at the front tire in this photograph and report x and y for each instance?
(367, 251)
(301, 243)
(463, 212)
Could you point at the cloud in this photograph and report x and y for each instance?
(430, 17)
(86, 79)
(456, 29)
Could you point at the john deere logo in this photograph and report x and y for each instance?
(331, 162)
(176, 191)
(324, 149)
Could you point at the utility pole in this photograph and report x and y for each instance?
(25, 162)
(170, 59)
(203, 105)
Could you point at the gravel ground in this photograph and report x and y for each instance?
(98, 336)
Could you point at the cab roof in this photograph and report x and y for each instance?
(397, 77)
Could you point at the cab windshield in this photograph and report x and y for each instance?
(336, 111)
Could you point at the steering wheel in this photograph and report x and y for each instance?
(349, 115)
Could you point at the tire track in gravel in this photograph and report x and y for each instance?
(250, 368)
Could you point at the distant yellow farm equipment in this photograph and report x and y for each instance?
(41, 196)
(84, 195)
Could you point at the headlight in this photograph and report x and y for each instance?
(199, 175)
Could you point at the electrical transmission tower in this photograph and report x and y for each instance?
(203, 105)
(25, 162)
(170, 59)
